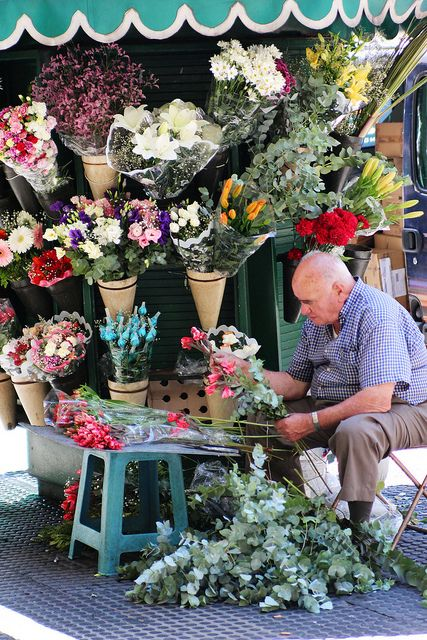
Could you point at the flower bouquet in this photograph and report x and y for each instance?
(9, 328)
(26, 144)
(228, 339)
(56, 275)
(243, 226)
(193, 235)
(21, 238)
(15, 361)
(130, 340)
(163, 149)
(80, 89)
(246, 84)
(112, 241)
(249, 388)
(58, 353)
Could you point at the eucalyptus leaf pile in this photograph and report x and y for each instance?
(278, 550)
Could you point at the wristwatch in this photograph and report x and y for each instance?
(316, 422)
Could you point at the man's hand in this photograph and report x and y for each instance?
(295, 426)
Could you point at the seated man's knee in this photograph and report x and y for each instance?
(356, 428)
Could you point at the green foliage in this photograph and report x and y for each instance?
(57, 535)
(278, 549)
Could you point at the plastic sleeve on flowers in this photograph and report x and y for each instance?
(197, 253)
(82, 147)
(232, 248)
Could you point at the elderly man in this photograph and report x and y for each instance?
(365, 363)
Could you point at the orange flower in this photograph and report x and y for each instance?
(237, 190)
(252, 206)
(260, 204)
(223, 218)
(225, 192)
(232, 214)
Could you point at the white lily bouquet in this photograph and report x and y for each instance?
(246, 84)
(162, 149)
(192, 233)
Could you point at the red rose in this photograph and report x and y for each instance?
(20, 147)
(3, 234)
(294, 254)
(32, 139)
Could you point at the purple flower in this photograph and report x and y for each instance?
(86, 219)
(164, 223)
(56, 206)
(76, 237)
(133, 216)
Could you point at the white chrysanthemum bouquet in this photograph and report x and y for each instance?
(245, 82)
(21, 238)
(162, 149)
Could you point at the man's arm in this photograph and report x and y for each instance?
(286, 386)
(375, 399)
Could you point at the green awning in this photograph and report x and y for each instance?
(52, 22)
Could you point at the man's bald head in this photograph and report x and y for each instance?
(322, 283)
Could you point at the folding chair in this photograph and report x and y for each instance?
(422, 491)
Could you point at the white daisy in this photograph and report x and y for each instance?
(21, 239)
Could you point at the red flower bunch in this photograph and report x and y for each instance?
(69, 504)
(180, 421)
(89, 432)
(331, 229)
(198, 340)
(48, 269)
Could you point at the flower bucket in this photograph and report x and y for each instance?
(118, 295)
(23, 191)
(336, 180)
(68, 294)
(360, 255)
(64, 192)
(7, 402)
(99, 175)
(31, 394)
(207, 290)
(36, 300)
(291, 304)
(220, 408)
(133, 392)
(73, 381)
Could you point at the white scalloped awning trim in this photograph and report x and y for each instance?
(237, 11)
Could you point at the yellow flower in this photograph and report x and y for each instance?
(347, 74)
(361, 73)
(312, 58)
(354, 92)
(232, 214)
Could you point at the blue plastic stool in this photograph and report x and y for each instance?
(107, 535)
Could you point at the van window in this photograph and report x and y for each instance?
(421, 137)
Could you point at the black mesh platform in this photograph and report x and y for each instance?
(66, 596)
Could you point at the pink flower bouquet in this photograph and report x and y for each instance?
(26, 144)
(83, 90)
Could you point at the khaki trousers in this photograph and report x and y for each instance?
(359, 443)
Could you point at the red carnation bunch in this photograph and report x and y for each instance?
(48, 269)
(331, 229)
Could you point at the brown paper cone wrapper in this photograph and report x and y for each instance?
(31, 394)
(219, 408)
(118, 295)
(7, 403)
(99, 175)
(133, 392)
(207, 290)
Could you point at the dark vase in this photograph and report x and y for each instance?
(23, 191)
(62, 193)
(360, 255)
(73, 381)
(336, 180)
(68, 294)
(35, 300)
(291, 304)
(215, 172)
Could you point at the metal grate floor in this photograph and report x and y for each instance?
(66, 596)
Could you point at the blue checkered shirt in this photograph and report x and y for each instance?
(378, 343)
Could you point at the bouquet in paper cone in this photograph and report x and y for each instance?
(48, 269)
(80, 89)
(243, 226)
(193, 236)
(111, 238)
(21, 238)
(9, 326)
(61, 347)
(130, 340)
(228, 339)
(26, 144)
(15, 356)
(246, 83)
(162, 149)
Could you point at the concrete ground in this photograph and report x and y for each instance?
(45, 596)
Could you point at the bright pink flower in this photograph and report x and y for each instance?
(186, 343)
(214, 377)
(198, 334)
(6, 255)
(227, 393)
(228, 366)
(152, 235)
(173, 417)
(210, 389)
(143, 242)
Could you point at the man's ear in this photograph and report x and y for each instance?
(338, 288)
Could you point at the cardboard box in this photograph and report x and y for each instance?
(385, 241)
(389, 139)
(392, 269)
(372, 274)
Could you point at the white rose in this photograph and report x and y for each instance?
(195, 222)
(182, 222)
(174, 216)
(174, 227)
(50, 349)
